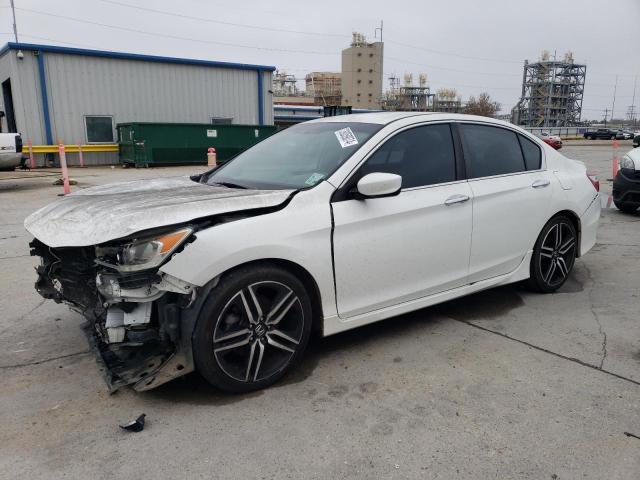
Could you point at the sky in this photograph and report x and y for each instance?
(473, 46)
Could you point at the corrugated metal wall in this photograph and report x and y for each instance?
(26, 94)
(129, 90)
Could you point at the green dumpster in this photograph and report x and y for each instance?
(142, 143)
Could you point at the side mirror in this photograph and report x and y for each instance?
(376, 185)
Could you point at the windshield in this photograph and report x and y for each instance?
(299, 157)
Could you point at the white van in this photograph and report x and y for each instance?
(10, 150)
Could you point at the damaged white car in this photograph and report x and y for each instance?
(328, 225)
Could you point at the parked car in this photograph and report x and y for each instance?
(328, 225)
(636, 141)
(626, 184)
(10, 150)
(624, 135)
(552, 140)
(601, 134)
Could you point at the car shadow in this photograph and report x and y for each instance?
(194, 389)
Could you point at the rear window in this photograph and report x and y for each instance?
(491, 150)
(532, 153)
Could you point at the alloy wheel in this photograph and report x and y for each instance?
(557, 254)
(258, 331)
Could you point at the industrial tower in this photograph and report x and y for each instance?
(552, 92)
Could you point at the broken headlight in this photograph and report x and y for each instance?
(142, 254)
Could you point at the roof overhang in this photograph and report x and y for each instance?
(132, 56)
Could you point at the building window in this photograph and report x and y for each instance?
(370, 82)
(359, 70)
(371, 70)
(359, 81)
(370, 55)
(358, 94)
(99, 128)
(359, 54)
(371, 95)
(221, 120)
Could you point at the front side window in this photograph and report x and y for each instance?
(299, 157)
(491, 151)
(421, 156)
(99, 128)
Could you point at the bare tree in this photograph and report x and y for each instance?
(483, 106)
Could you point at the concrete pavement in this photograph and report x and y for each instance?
(501, 384)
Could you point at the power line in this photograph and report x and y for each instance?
(468, 57)
(174, 37)
(220, 22)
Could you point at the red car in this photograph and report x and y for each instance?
(551, 140)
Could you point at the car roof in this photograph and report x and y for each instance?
(384, 118)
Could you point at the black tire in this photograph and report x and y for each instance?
(625, 207)
(255, 345)
(553, 257)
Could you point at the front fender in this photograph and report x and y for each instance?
(299, 233)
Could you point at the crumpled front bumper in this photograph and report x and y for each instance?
(140, 325)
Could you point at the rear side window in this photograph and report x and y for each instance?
(421, 156)
(491, 151)
(532, 153)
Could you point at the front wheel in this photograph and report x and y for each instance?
(553, 255)
(253, 328)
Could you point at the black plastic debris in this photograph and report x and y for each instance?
(135, 425)
(632, 435)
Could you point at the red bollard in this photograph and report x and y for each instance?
(65, 172)
(32, 160)
(211, 157)
(81, 157)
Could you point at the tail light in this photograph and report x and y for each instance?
(593, 178)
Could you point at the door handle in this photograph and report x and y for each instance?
(540, 183)
(452, 200)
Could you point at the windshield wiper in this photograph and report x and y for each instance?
(229, 185)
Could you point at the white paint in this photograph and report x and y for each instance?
(392, 255)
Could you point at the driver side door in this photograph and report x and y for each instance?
(396, 249)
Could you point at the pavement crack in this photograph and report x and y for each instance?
(16, 256)
(46, 360)
(596, 316)
(550, 352)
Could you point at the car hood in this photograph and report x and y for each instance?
(99, 214)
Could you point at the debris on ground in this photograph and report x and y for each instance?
(135, 425)
(60, 181)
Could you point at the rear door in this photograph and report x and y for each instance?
(392, 250)
(511, 197)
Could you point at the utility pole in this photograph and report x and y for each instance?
(606, 112)
(633, 102)
(15, 28)
(613, 107)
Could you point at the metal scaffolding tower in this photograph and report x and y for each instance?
(552, 93)
(408, 98)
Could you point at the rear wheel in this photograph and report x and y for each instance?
(625, 207)
(253, 328)
(553, 255)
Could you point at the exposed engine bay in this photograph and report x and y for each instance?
(133, 318)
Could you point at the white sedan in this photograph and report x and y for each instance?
(327, 225)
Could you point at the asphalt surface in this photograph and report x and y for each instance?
(501, 384)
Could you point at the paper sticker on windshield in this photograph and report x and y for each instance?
(314, 178)
(346, 137)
